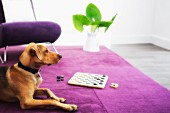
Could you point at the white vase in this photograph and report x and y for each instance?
(92, 42)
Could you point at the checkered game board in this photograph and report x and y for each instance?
(88, 80)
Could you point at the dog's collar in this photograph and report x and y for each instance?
(33, 71)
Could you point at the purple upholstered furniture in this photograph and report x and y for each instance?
(17, 33)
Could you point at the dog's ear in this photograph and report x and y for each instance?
(34, 51)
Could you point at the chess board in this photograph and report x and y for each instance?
(88, 80)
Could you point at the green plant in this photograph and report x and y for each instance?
(92, 18)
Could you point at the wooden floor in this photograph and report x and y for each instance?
(150, 59)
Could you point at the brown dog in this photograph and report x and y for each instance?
(20, 82)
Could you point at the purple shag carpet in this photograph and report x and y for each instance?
(136, 92)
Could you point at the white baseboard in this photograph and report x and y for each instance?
(160, 41)
(163, 42)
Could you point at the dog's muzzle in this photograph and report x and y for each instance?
(59, 56)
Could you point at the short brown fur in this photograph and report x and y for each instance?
(21, 85)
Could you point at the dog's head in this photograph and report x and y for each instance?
(37, 55)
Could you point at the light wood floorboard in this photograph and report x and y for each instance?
(150, 59)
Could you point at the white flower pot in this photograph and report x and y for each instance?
(92, 43)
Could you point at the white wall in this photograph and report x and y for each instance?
(134, 22)
(161, 26)
(162, 18)
(134, 17)
(18, 10)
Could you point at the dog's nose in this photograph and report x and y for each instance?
(60, 56)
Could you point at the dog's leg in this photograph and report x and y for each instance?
(33, 103)
(47, 92)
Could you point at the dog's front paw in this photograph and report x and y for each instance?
(61, 100)
(71, 107)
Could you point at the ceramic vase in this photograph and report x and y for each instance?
(92, 42)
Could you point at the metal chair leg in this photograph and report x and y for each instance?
(5, 54)
(1, 60)
(54, 48)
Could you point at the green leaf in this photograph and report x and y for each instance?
(93, 17)
(93, 13)
(95, 23)
(105, 23)
(80, 20)
(113, 18)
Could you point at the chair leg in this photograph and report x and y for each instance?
(54, 48)
(1, 60)
(5, 55)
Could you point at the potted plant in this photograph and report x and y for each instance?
(93, 18)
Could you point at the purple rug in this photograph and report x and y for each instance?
(136, 92)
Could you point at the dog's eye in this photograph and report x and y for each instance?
(46, 51)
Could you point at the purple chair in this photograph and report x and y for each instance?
(18, 33)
